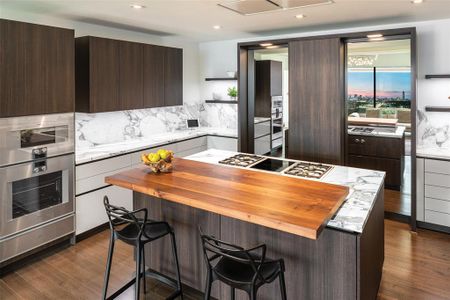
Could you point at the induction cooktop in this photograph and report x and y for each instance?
(271, 164)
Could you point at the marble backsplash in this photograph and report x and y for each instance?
(433, 132)
(114, 127)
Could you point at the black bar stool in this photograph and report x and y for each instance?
(137, 231)
(244, 269)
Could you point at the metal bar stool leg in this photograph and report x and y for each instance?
(253, 293)
(143, 268)
(138, 268)
(208, 285)
(108, 266)
(175, 254)
(233, 293)
(282, 286)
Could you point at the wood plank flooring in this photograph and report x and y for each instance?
(416, 266)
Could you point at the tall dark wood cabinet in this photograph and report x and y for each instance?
(173, 77)
(268, 83)
(115, 75)
(316, 100)
(36, 69)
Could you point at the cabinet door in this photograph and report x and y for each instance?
(173, 77)
(130, 75)
(104, 75)
(276, 78)
(392, 167)
(36, 69)
(154, 57)
(316, 101)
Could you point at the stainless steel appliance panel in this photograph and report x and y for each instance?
(21, 138)
(35, 192)
(31, 239)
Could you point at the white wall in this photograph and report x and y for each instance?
(433, 46)
(190, 49)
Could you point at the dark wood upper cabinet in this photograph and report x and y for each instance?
(117, 75)
(154, 57)
(36, 69)
(131, 75)
(268, 83)
(316, 100)
(173, 77)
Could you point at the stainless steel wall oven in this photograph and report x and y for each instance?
(36, 182)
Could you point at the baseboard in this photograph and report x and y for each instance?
(91, 232)
(397, 217)
(433, 227)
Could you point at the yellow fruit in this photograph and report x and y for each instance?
(164, 154)
(144, 158)
(160, 151)
(155, 158)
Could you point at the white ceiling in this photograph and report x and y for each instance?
(194, 19)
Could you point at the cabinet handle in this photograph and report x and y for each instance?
(357, 140)
(363, 141)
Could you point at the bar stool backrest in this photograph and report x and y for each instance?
(118, 216)
(215, 249)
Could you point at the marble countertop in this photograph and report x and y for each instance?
(396, 132)
(364, 186)
(435, 153)
(83, 155)
(261, 120)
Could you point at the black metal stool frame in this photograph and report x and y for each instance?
(118, 216)
(215, 250)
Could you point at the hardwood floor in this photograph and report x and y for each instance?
(399, 202)
(416, 266)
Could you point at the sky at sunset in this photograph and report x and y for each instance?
(389, 84)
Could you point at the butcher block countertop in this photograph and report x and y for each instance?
(298, 206)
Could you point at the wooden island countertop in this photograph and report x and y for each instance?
(298, 206)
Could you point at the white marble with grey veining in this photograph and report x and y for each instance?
(364, 186)
(107, 134)
(433, 134)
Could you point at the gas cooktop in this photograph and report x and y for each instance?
(362, 129)
(241, 160)
(309, 170)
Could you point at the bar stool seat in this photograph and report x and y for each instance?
(239, 268)
(133, 229)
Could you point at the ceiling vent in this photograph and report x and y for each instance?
(252, 7)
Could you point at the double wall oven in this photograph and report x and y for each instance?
(36, 182)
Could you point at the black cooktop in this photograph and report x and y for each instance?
(274, 165)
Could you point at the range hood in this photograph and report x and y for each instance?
(252, 7)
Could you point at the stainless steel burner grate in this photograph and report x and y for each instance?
(241, 160)
(308, 170)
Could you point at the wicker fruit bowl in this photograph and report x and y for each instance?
(161, 161)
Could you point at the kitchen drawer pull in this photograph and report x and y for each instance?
(357, 140)
(363, 141)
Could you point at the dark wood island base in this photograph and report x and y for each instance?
(338, 265)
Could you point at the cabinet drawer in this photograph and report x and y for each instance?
(190, 144)
(90, 211)
(91, 183)
(437, 192)
(376, 146)
(392, 167)
(262, 145)
(437, 205)
(437, 179)
(437, 166)
(262, 129)
(102, 166)
(191, 151)
(437, 218)
(222, 143)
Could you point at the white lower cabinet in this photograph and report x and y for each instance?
(433, 191)
(90, 211)
(222, 143)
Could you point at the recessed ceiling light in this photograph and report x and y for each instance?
(272, 47)
(300, 16)
(376, 39)
(217, 27)
(374, 36)
(416, 1)
(137, 6)
(265, 44)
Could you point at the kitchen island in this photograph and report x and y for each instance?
(293, 216)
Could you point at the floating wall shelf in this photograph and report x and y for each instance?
(437, 76)
(220, 78)
(438, 108)
(222, 101)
